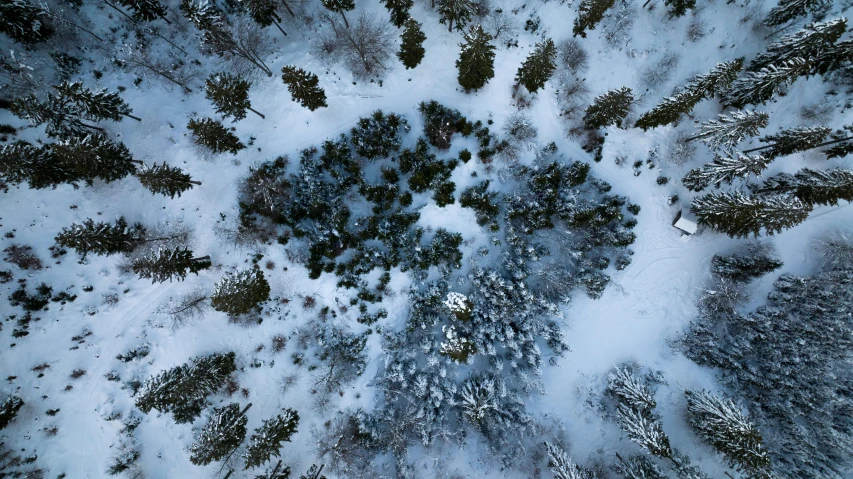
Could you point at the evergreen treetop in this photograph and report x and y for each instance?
(213, 136)
(758, 87)
(238, 293)
(811, 43)
(609, 108)
(145, 10)
(538, 67)
(677, 8)
(304, 87)
(22, 162)
(230, 95)
(458, 11)
(476, 59)
(794, 140)
(165, 180)
(93, 156)
(267, 439)
(399, 11)
(94, 105)
(728, 131)
(812, 187)
(590, 13)
(725, 169)
(411, 49)
(739, 215)
(9, 409)
(24, 22)
(101, 238)
(167, 264)
(787, 10)
(222, 434)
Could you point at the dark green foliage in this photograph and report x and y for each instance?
(399, 11)
(787, 10)
(411, 49)
(24, 22)
(93, 157)
(794, 140)
(267, 439)
(123, 461)
(750, 263)
(440, 123)
(758, 87)
(811, 43)
(168, 264)
(224, 431)
(211, 135)
(739, 216)
(304, 87)
(609, 108)
(476, 60)
(22, 162)
(27, 302)
(339, 6)
(101, 238)
(725, 169)
(378, 135)
(183, 390)
(145, 10)
(238, 293)
(538, 67)
(482, 202)
(458, 11)
(590, 12)
(229, 94)
(812, 187)
(427, 172)
(165, 180)
(263, 12)
(677, 8)
(443, 195)
(94, 105)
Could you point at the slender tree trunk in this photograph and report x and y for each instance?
(346, 23)
(230, 471)
(138, 162)
(319, 471)
(257, 113)
(816, 146)
(197, 183)
(207, 258)
(92, 127)
(238, 446)
(170, 42)
(450, 25)
(131, 116)
(119, 11)
(279, 28)
(287, 7)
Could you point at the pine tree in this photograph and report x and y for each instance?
(279, 472)
(645, 430)
(746, 264)
(314, 472)
(787, 10)
(630, 390)
(590, 12)
(239, 293)
(720, 422)
(213, 136)
(677, 8)
(728, 131)
(538, 67)
(834, 58)
(476, 60)
(183, 390)
(264, 12)
(639, 467)
(339, 6)
(223, 433)
(399, 10)
(609, 108)
(165, 180)
(812, 42)
(24, 22)
(267, 439)
(725, 169)
(458, 11)
(562, 466)
(411, 49)
(61, 117)
(168, 264)
(145, 10)
(22, 162)
(101, 238)
(739, 215)
(794, 140)
(758, 87)
(95, 105)
(9, 409)
(230, 95)
(93, 157)
(304, 87)
(812, 187)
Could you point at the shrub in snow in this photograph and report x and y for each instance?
(9, 409)
(456, 347)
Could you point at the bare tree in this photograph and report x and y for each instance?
(502, 26)
(172, 70)
(835, 250)
(653, 76)
(365, 47)
(186, 307)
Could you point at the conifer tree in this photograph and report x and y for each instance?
(223, 433)
(813, 41)
(746, 264)
(9, 409)
(639, 467)
(399, 10)
(758, 87)
(165, 180)
(476, 60)
(168, 264)
(609, 108)
(739, 215)
(677, 8)
(314, 472)
(812, 187)
(24, 22)
(725, 169)
(22, 162)
(538, 67)
(183, 390)
(93, 157)
(61, 117)
(728, 131)
(645, 430)
(145, 10)
(213, 136)
(834, 58)
(282, 472)
(101, 238)
(411, 49)
(267, 439)
(562, 465)
(95, 105)
(720, 422)
(793, 140)
(458, 11)
(787, 10)
(238, 293)
(263, 12)
(339, 6)
(304, 87)
(590, 12)
(230, 95)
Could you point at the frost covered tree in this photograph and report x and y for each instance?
(720, 422)
(343, 358)
(183, 390)
(562, 466)
(476, 60)
(677, 8)
(590, 12)
(339, 6)
(165, 180)
(238, 293)
(638, 467)
(787, 10)
(213, 136)
(230, 95)
(725, 169)
(221, 435)
(609, 108)
(95, 105)
(794, 140)
(538, 67)
(24, 22)
(494, 409)
(101, 238)
(168, 264)
(759, 86)
(9, 409)
(753, 261)
(145, 10)
(378, 135)
(411, 48)
(266, 440)
(458, 11)
(629, 390)
(728, 131)
(645, 430)
(93, 157)
(812, 187)
(398, 10)
(739, 215)
(304, 87)
(812, 42)
(23, 162)
(482, 201)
